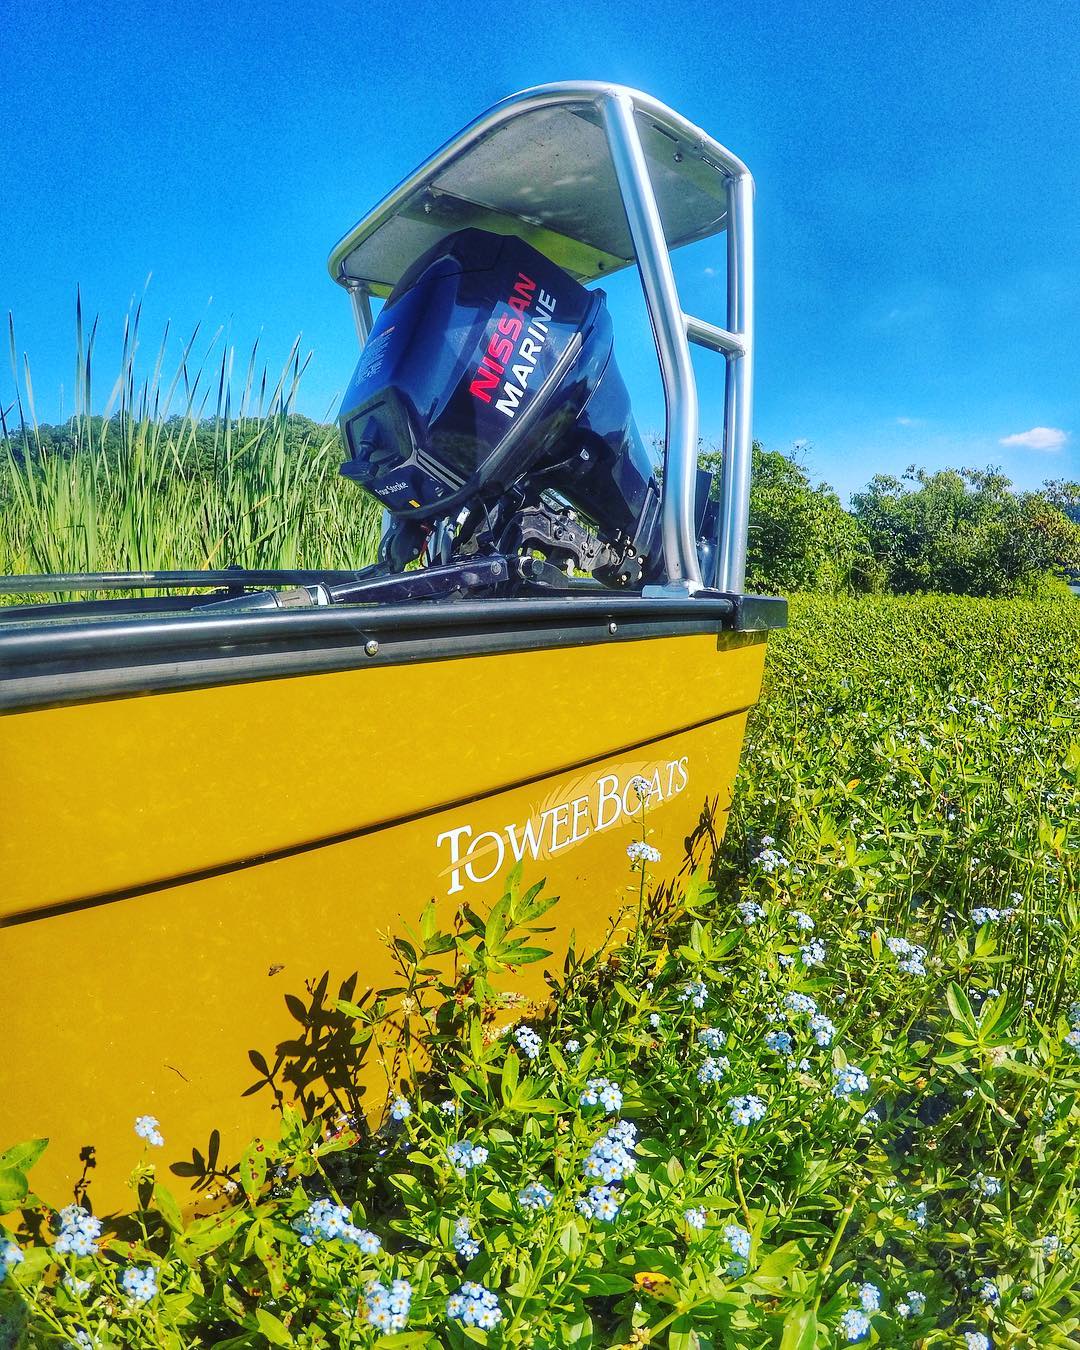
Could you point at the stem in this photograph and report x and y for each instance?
(827, 1260)
(679, 1311)
(742, 1197)
(538, 1271)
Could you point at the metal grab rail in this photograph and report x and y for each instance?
(673, 329)
(669, 332)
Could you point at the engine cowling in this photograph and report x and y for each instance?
(489, 371)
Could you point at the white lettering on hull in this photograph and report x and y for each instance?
(551, 829)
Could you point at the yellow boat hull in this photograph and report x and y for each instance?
(190, 876)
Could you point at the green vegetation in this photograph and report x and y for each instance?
(180, 473)
(965, 533)
(177, 475)
(955, 532)
(801, 538)
(831, 1095)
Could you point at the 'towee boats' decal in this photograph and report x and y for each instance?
(566, 819)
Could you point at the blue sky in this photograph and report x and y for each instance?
(918, 171)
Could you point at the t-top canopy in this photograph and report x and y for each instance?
(538, 165)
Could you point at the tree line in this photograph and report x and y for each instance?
(953, 531)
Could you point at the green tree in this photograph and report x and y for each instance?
(1065, 496)
(964, 532)
(801, 538)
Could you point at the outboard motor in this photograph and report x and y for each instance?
(487, 400)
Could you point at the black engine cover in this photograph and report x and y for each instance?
(487, 366)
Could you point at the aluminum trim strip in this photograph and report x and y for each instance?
(176, 632)
(62, 665)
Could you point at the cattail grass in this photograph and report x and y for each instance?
(177, 472)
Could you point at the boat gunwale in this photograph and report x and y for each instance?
(57, 661)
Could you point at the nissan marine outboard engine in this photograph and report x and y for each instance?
(487, 399)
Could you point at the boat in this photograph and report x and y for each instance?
(224, 790)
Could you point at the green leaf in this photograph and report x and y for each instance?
(22, 1157)
(495, 930)
(13, 1189)
(275, 1331)
(569, 1239)
(36, 1260)
(780, 1261)
(510, 1071)
(534, 904)
(681, 1334)
(206, 1235)
(253, 1170)
(600, 1282)
(168, 1208)
(697, 887)
(727, 942)
(959, 1006)
(523, 1100)
(626, 995)
(513, 879)
(997, 1015)
(407, 950)
(435, 946)
(523, 956)
(800, 1329)
(578, 1330)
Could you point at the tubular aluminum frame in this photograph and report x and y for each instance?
(673, 329)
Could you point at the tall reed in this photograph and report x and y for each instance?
(179, 472)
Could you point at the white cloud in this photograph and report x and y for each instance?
(1038, 438)
(909, 421)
